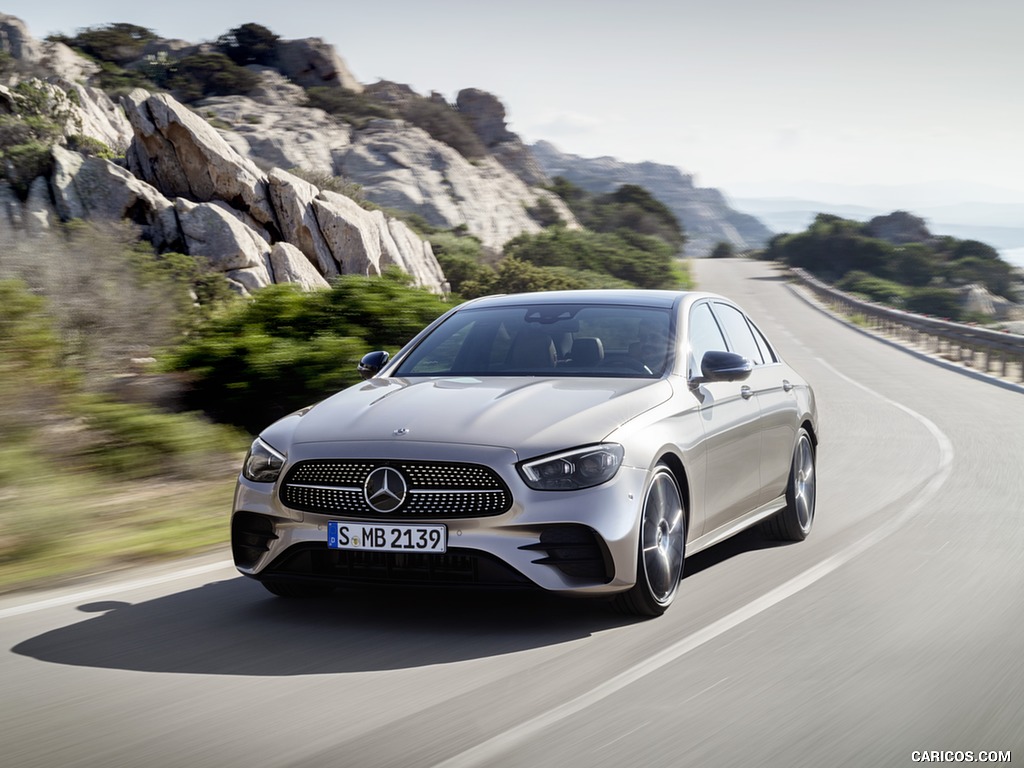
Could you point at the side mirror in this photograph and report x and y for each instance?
(371, 363)
(722, 366)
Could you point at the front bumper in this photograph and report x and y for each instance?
(582, 541)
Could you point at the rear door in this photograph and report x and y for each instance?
(774, 395)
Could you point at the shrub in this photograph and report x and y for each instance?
(445, 124)
(722, 250)
(209, 74)
(285, 349)
(352, 107)
(643, 261)
(133, 441)
(940, 302)
(119, 43)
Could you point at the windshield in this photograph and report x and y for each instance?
(545, 340)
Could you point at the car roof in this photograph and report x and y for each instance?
(618, 297)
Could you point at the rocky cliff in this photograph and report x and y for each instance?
(704, 213)
(223, 177)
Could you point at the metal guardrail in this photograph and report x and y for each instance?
(997, 350)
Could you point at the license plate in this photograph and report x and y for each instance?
(396, 537)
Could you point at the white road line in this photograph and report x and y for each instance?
(489, 751)
(112, 589)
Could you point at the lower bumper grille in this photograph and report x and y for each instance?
(576, 551)
(251, 535)
(456, 567)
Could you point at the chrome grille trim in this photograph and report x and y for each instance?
(435, 489)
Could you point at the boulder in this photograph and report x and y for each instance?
(94, 188)
(402, 167)
(368, 242)
(182, 155)
(486, 114)
(96, 116)
(227, 243)
(40, 215)
(280, 135)
(52, 58)
(290, 265)
(313, 62)
(351, 233)
(293, 200)
(274, 89)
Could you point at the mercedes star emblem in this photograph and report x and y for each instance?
(385, 489)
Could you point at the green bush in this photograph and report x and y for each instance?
(629, 207)
(641, 260)
(938, 302)
(133, 441)
(285, 348)
(874, 288)
(445, 124)
(208, 74)
(119, 43)
(352, 107)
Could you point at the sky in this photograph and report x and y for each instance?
(755, 97)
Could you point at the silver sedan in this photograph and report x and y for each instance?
(581, 442)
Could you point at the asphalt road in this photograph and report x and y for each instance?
(895, 628)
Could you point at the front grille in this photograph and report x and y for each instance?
(434, 489)
(455, 567)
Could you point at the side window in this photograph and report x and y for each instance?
(705, 336)
(762, 342)
(741, 337)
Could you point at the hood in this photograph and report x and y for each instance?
(528, 415)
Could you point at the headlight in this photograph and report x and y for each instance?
(262, 464)
(578, 468)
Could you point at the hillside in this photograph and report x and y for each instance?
(704, 212)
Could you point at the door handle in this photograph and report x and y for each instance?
(786, 386)
(746, 392)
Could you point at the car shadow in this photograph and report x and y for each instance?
(234, 627)
(749, 540)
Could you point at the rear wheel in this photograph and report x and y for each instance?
(793, 523)
(661, 548)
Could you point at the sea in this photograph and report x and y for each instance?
(1014, 255)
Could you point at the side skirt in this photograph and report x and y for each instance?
(730, 529)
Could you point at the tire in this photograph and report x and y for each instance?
(296, 589)
(794, 521)
(661, 548)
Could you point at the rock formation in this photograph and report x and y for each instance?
(899, 228)
(704, 213)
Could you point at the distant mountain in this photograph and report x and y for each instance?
(704, 213)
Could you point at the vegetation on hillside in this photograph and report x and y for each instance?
(919, 276)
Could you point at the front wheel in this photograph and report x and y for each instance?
(793, 522)
(662, 544)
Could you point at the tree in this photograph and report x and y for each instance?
(249, 44)
(723, 250)
(118, 43)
